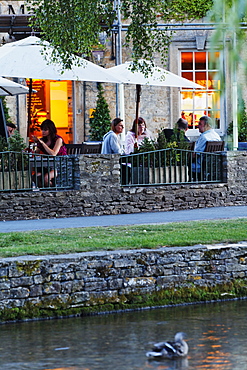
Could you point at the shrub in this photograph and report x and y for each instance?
(101, 121)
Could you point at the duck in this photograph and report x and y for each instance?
(172, 350)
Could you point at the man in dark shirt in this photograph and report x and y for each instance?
(181, 128)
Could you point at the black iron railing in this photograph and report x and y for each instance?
(171, 166)
(27, 171)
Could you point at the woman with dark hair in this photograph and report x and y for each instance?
(111, 143)
(131, 136)
(51, 144)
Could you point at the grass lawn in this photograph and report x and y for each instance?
(122, 237)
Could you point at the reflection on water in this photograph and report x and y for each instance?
(215, 334)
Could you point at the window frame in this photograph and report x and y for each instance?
(221, 110)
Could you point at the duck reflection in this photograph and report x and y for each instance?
(178, 364)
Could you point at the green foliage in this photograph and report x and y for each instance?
(3, 144)
(161, 140)
(190, 293)
(73, 26)
(16, 159)
(16, 142)
(228, 15)
(177, 140)
(190, 9)
(144, 34)
(147, 145)
(172, 155)
(6, 109)
(242, 123)
(101, 120)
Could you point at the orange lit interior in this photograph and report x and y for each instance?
(200, 67)
(53, 100)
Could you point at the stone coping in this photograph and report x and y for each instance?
(120, 252)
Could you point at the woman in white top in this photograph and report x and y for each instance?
(130, 138)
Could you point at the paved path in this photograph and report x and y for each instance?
(127, 219)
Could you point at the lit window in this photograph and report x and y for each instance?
(200, 67)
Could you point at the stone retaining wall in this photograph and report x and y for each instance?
(34, 286)
(99, 192)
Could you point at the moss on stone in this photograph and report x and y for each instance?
(104, 271)
(181, 295)
(28, 267)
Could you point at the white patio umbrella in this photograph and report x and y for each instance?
(157, 77)
(8, 87)
(25, 59)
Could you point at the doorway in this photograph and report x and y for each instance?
(53, 100)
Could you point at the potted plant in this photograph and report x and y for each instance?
(174, 166)
(140, 164)
(161, 166)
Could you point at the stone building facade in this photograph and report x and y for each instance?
(160, 107)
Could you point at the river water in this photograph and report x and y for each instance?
(216, 335)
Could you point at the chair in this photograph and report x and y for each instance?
(212, 164)
(74, 148)
(208, 164)
(214, 146)
(91, 147)
(191, 145)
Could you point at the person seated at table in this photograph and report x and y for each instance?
(111, 144)
(182, 128)
(131, 139)
(50, 144)
(179, 134)
(207, 134)
(11, 127)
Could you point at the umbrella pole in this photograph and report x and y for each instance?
(138, 95)
(29, 106)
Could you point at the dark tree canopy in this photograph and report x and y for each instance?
(73, 26)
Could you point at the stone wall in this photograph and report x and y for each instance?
(236, 169)
(99, 192)
(40, 286)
